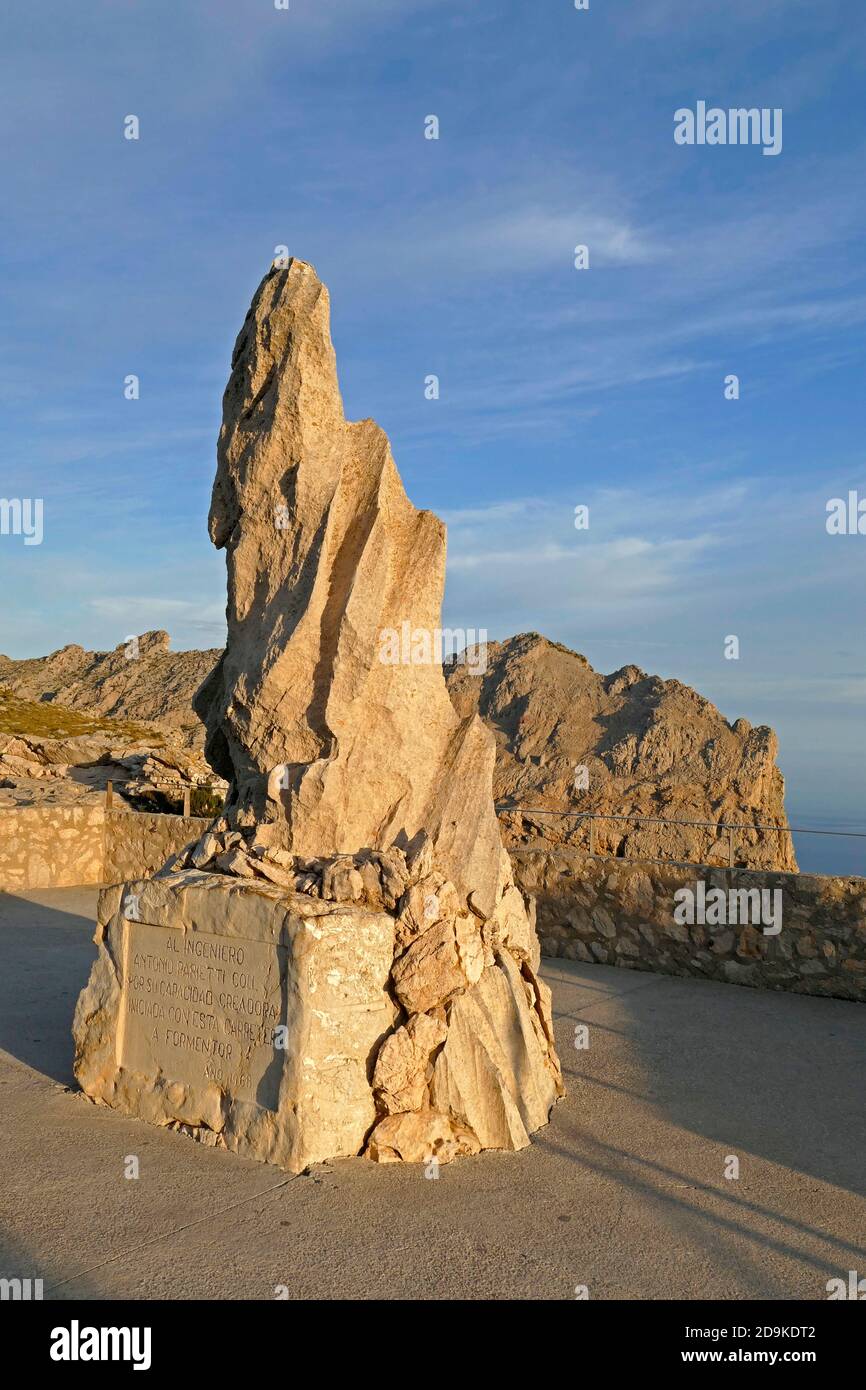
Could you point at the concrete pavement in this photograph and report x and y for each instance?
(624, 1192)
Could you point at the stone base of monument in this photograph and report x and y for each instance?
(291, 1028)
(244, 1017)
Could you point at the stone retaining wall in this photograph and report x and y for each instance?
(61, 846)
(51, 846)
(622, 913)
(137, 844)
(593, 910)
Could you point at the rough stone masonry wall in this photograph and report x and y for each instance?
(137, 844)
(589, 909)
(51, 846)
(617, 913)
(62, 846)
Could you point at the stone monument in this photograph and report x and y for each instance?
(342, 963)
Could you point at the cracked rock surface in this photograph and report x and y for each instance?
(342, 962)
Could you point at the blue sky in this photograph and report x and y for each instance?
(559, 387)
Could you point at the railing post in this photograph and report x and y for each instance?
(592, 835)
(186, 801)
(109, 796)
(730, 847)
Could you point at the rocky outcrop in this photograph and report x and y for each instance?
(360, 804)
(628, 744)
(38, 771)
(328, 744)
(141, 679)
(644, 746)
(51, 754)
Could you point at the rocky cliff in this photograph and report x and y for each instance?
(140, 680)
(649, 747)
(627, 744)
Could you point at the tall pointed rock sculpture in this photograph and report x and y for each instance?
(327, 739)
(366, 966)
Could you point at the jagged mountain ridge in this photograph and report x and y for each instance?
(651, 747)
(154, 686)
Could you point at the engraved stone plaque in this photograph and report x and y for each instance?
(203, 1009)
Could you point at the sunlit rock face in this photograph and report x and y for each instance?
(657, 765)
(342, 962)
(324, 735)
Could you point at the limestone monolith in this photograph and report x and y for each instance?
(342, 962)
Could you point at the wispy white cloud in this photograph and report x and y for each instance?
(710, 558)
(526, 559)
(529, 236)
(140, 612)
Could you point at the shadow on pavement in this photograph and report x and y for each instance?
(45, 957)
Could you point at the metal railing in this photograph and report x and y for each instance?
(718, 826)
